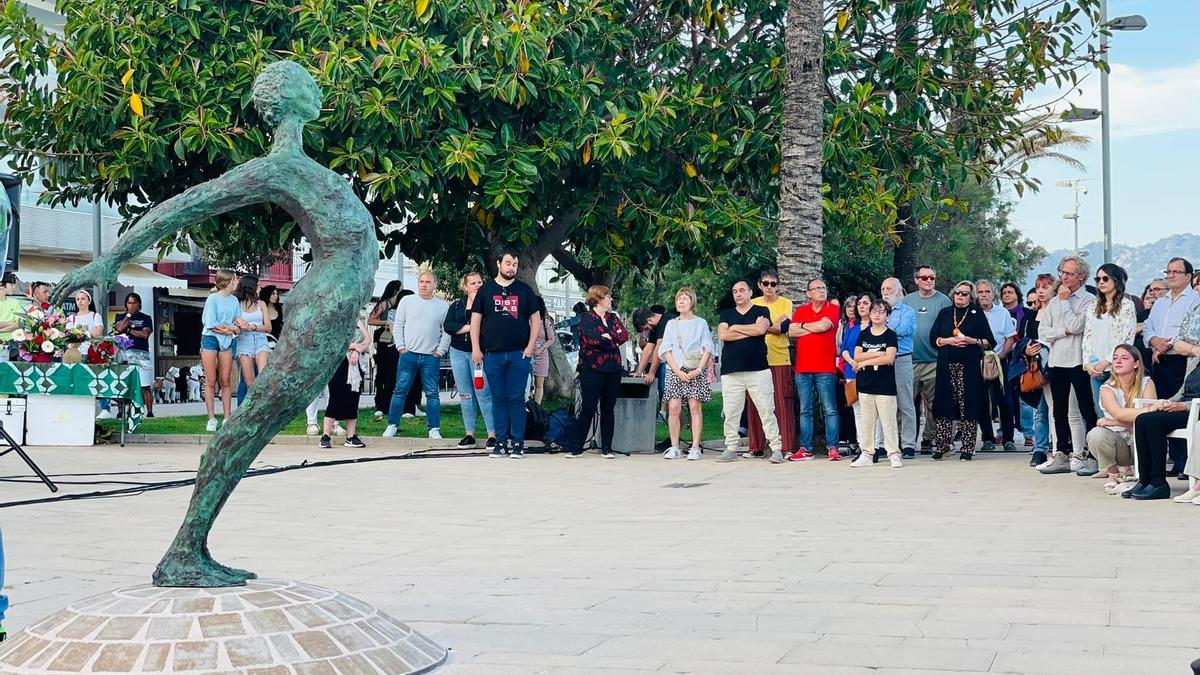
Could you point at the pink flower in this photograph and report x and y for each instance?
(48, 347)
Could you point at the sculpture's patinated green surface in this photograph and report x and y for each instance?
(323, 308)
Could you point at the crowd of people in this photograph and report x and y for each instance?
(1093, 379)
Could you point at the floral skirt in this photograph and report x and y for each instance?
(695, 390)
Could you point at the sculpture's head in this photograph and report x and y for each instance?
(284, 90)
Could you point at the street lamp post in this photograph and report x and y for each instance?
(1077, 187)
(1131, 22)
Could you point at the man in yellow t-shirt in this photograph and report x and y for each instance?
(10, 308)
(779, 359)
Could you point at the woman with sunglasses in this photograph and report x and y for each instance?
(1111, 321)
(960, 334)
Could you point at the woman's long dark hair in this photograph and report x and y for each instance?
(1119, 277)
(247, 289)
(390, 292)
(264, 294)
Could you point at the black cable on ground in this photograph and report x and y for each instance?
(141, 488)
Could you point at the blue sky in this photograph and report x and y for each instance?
(1154, 95)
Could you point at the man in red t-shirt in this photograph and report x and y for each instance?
(814, 325)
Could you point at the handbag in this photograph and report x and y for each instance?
(991, 366)
(851, 392)
(1034, 378)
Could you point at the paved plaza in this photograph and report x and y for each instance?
(640, 565)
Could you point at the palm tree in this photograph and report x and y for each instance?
(801, 223)
(1041, 139)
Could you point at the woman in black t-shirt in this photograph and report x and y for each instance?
(875, 375)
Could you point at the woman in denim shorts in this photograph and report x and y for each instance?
(220, 317)
(252, 345)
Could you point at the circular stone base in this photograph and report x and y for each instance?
(268, 627)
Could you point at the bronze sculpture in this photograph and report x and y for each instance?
(323, 307)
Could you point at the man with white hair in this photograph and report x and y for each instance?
(903, 322)
(1061, 330)
(420, 340)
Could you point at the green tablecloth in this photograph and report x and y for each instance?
(76, 379)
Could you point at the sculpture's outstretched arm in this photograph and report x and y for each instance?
(240, 187)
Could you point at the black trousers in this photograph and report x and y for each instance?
(1062, 381)
(994, 394)
(1168, 378)
(386, 358)
(1150, 436)
(599, 389)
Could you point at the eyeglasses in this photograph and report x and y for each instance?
(1031, 304)
(1065, 273)
(927, 277)
(1099, 278)
(1156, 289)
(768, 284)
(1171, 273)
(816, 288)
(963, 294)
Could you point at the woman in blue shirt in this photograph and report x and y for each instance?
(221, 311)
(857, 317)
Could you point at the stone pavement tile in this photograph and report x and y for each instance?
(962, 629)
(1101, 635)
(1155, 617)
(899, 656)
(467, 641)
(638, 646)
(564, 661)
(1038, 615)
(1180, 653)
(814, 609)
(1105, 664)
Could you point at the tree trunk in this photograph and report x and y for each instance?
(801, 227)
(561, 380)
(904, 257)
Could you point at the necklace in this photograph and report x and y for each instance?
(957, 321)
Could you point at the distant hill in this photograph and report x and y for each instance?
(1143, 263)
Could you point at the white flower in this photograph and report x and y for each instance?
(19, 335)
(55, 333)
(48, 347)
(37, 314)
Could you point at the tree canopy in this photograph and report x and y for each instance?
(607, 133)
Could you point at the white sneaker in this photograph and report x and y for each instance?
(435, 433)
(390, 431)
(105, 415)
(694, 454)
(211, 427)
(896, 463)
(407, 416)
(1049, 460)
(420, 413)
(338, 430)
(313, 430)
(671, 453)
(378, 415)
(864, 459)
(1187, 497)
(1076, 463)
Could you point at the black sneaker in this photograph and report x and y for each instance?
(354, 442)
(908, 453)
(149, 414)
(926, 448)
(326, 443)
(468, 441)
(518, 452)
(491, 444)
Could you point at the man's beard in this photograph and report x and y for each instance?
(508, 276)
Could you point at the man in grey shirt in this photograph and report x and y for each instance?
(926, 303)
(420, 340)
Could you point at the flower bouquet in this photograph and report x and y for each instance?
(42, 335)
(105, 351)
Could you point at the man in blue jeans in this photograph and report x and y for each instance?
(814, 325)
(504, 321)
(421, 341)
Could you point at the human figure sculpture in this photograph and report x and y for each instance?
(323, 307)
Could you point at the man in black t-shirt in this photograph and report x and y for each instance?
(744, 371)
(504, 320)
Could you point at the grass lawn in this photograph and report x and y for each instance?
(452, 424)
